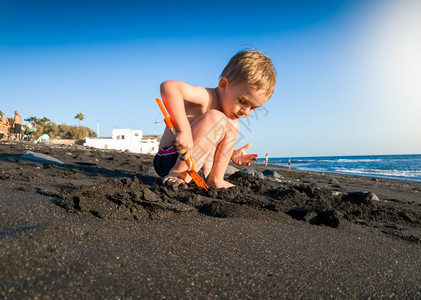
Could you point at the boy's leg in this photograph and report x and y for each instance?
(207, 130)
(222, 156)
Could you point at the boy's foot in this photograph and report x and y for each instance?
(222, 184)
(226, 185)
(174, 182)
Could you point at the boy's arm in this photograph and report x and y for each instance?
(175, 94)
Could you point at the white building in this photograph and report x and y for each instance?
(125, 139)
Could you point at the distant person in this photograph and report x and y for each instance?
(17, 124)
(266, 160)
(289, 163)
(4, 123)
(206, 119)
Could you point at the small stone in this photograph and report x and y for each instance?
(255, 173)
(373, 197)
(230, 170)
(271, 173)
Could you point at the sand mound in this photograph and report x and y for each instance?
(131, 199)
(121, 199)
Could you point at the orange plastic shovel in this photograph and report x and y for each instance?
(189, 161)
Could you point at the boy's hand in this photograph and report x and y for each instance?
(183, 144)
(241, 158)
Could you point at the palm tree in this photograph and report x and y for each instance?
(80, 116)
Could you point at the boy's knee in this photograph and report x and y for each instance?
(215, 123)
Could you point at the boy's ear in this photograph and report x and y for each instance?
(222, 85)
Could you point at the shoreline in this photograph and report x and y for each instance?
(385, 187)
(350, 174)
(102, 225)
(379, 166)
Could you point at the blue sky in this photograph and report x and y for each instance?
(349, 72)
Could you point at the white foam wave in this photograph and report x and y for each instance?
(392, 173)
(343, 160)
(335, 160)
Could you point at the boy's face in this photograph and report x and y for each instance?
(238, 101)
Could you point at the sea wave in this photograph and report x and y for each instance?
(357, 160)
(335, 160)
(381, 172)
(406, 167)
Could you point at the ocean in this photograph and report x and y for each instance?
(406, 167)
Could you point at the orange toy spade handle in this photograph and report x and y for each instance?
(171, 127)
(167, 118)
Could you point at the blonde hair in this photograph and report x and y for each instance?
(252, 67)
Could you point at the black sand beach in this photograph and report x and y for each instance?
(101, 225)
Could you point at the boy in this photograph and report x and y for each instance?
(206, 123)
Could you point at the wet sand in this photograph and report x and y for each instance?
(101, 225)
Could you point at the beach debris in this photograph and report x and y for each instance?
(276, 179)
(45, 139)
(40, 157)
